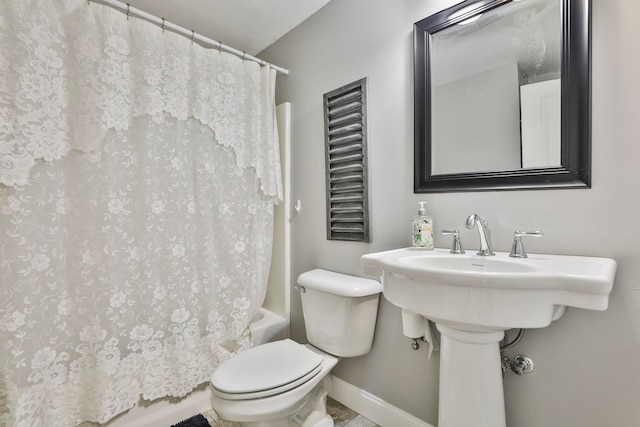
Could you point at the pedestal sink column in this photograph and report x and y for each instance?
(471, 393)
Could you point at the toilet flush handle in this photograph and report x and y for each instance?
(300, 289)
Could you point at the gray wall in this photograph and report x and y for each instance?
(588, 372)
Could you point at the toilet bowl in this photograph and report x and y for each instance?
(271, 400)
(284, 383)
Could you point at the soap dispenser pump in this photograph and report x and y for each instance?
(422, 229)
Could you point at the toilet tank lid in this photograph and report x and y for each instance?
(338, 283)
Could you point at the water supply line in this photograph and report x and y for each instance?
(520, 364)
(513, 342)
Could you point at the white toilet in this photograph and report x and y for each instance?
(285, 384)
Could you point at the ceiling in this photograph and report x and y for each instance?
(247, 25)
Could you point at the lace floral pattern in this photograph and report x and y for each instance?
(139, 173)
(75, 71)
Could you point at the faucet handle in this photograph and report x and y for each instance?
(517, 249)
(456, 248)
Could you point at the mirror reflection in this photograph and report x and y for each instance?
(495, 89)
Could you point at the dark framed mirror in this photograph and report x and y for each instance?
(503, 96)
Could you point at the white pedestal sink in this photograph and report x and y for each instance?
(473, 300)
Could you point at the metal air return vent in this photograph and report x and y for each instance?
(345, 129)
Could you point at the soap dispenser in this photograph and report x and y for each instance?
(422, 229)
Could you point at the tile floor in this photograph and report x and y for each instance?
(342, 417)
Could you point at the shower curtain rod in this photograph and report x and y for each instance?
(126, 7)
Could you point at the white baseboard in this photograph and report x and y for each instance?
(372, 407)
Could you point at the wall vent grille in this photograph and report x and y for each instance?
(345, 129)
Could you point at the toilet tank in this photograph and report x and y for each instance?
(339, 311)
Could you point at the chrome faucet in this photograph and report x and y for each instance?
(485, 239)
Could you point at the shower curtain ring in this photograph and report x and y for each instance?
(128, 10)
(244, 56)
(162, 24)
(193, 34)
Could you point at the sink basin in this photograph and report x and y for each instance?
(468, 264)
(477, 293)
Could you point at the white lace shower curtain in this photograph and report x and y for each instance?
(138, 174)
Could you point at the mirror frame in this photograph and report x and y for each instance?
(575, 74)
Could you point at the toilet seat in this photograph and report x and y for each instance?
(265, 370)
